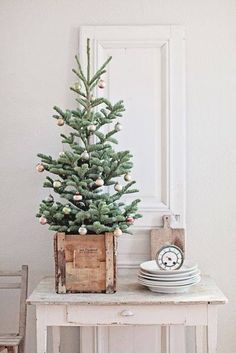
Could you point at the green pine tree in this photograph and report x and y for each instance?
(90, 165)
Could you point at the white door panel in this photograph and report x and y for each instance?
(147, 72)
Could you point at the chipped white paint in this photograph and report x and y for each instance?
(129, 292)
(131, 305)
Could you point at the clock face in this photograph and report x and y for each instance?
(170, 257)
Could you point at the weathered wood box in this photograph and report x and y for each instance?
(85, 263)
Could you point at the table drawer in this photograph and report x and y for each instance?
(133, 314)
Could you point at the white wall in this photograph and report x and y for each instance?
(38, 40)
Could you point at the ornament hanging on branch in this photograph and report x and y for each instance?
(66, 209)
(40, 168)
(130, 219)
(101, 84)
(42, 220)
(118, 232)
(118, 127)
(60, 122)
(118, 187)
(83, 230)
(127, 177)
(57, 184)
(77, 86)
(77, 197)
(85, 155)
(99, 181)
(62, 154)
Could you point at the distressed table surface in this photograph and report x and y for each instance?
(129, 292)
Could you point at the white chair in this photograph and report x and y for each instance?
(15, 342)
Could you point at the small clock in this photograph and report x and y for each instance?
(169, 257)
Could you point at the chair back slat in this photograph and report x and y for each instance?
(10, 274)
(10, 285)
(23, 306)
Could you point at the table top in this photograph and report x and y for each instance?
(128, 292)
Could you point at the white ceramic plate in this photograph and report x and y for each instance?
(169, 284)
(173, 277)
(169, 280)
(171, 290)
(151, 267)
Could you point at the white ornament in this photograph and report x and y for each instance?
(60, 122)
(85, 155)
(99, 181)
(118, 127)
(42, 220)
(91, 127)
(77, 197)
(101, 84)
(128, 177)
(82, 230)
(118, 187)
(118, 232)
(77, 86)
(57, 184)
(66, 210)
(61, 154)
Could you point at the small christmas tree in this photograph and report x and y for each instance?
(90, 167)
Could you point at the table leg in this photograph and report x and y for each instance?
(173, 339)
(212, 329)
(177, 339)
(56, 339)
(165, 339)
(199, 339)
(41, 332)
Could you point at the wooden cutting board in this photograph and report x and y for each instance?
(165, 236)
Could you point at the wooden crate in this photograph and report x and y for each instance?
(85, 263)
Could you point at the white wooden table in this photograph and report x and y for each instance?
(131, 305)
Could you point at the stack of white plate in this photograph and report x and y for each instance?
(175, 281)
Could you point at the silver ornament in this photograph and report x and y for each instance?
(82, 230)
(77, 86)
(118, 187)
(118, 232)
(85, 155)
(118, 127)
(128, 177)
(99, 181)
(66, 210)
(57, 184)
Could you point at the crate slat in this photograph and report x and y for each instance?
(109, 244)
